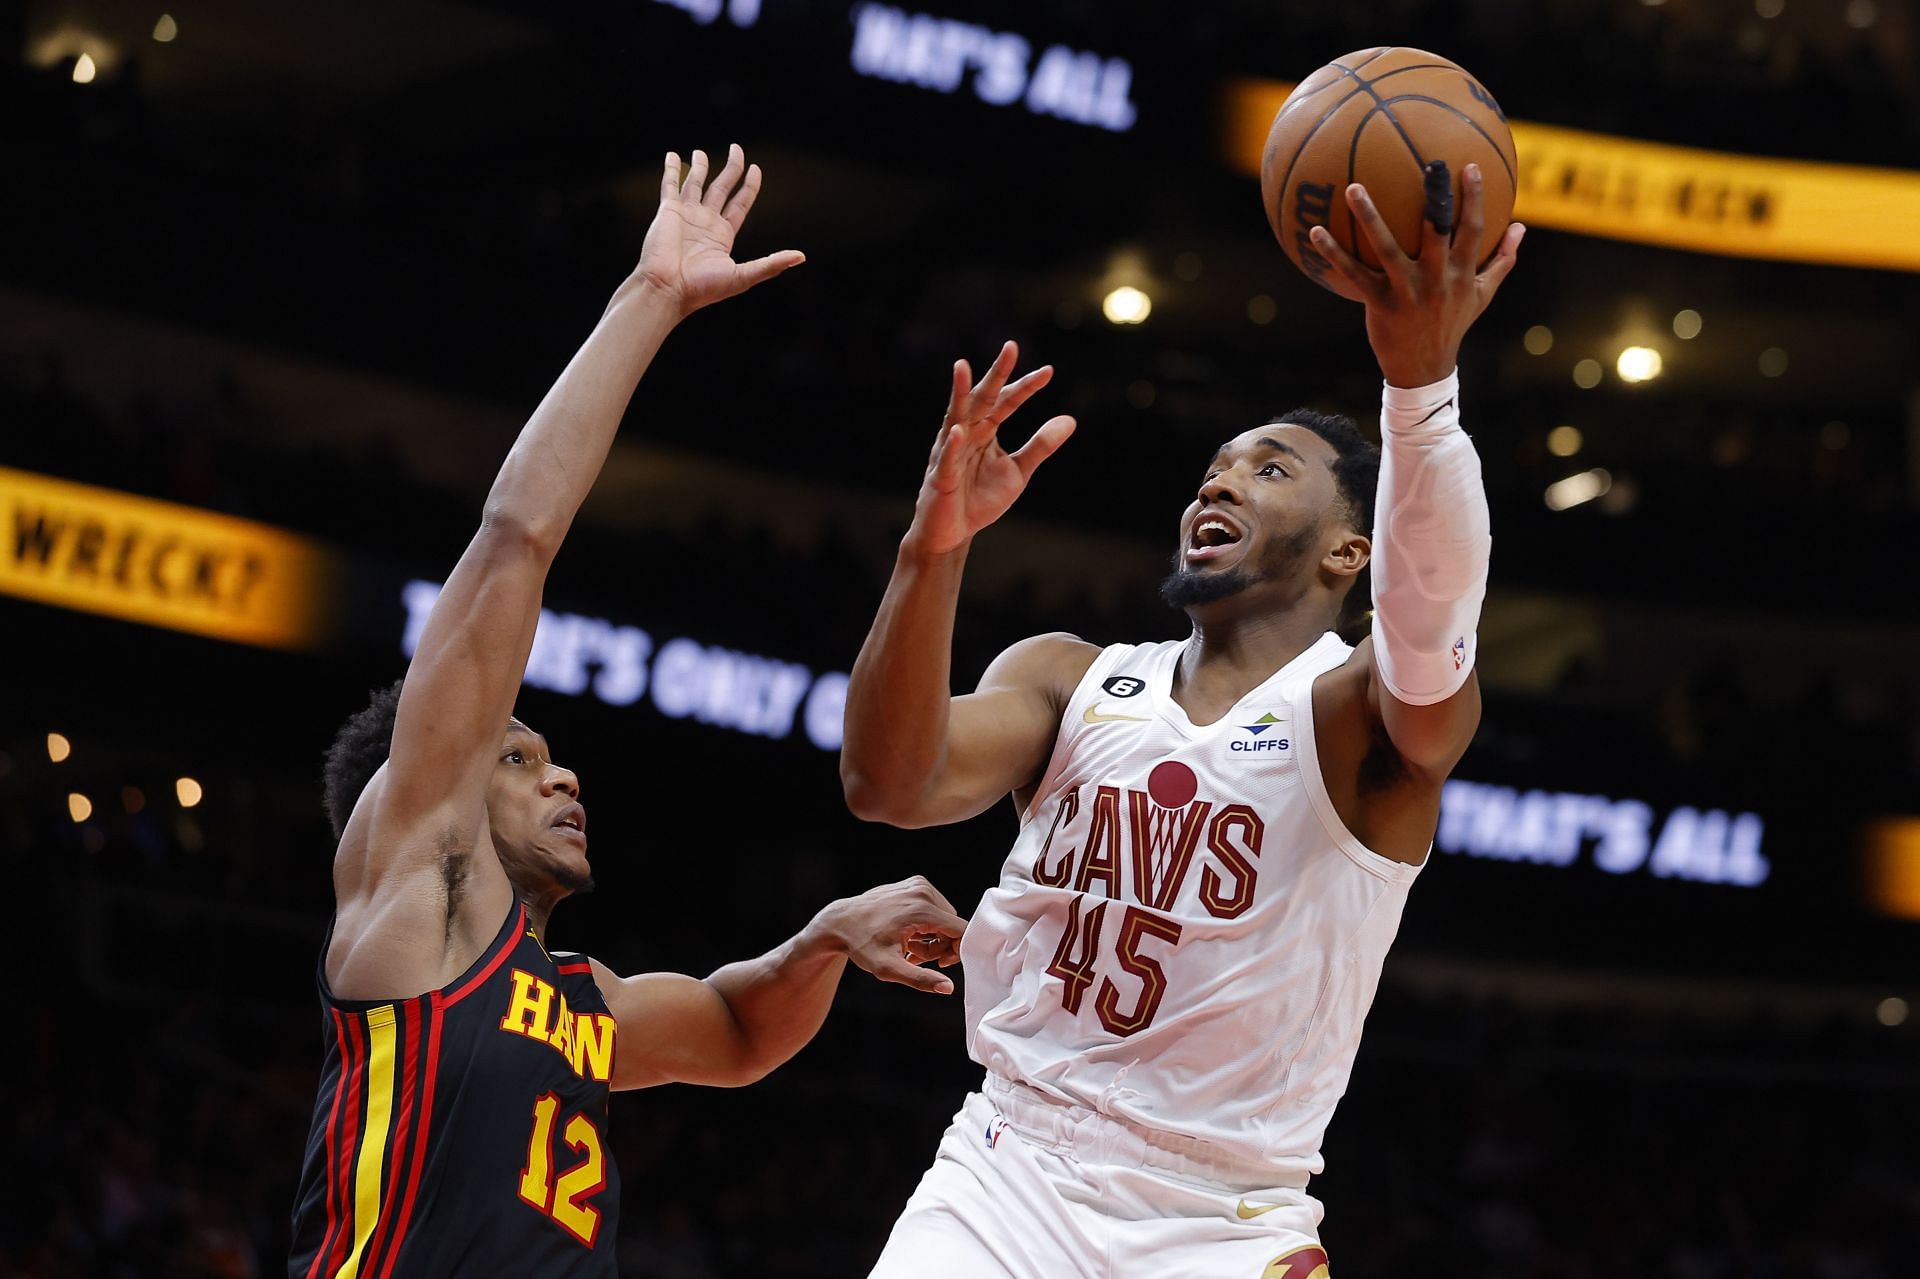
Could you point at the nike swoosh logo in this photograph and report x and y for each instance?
(1093, 716)
(1247, 1211)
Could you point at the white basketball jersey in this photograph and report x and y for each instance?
(1185, 937)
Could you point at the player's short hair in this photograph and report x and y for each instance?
(1356, 465)
(1356, 477)
(358, 750)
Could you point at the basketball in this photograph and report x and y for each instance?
(1379, 117)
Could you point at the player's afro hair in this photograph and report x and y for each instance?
(358, 750)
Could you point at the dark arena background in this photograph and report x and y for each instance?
(1651, 1010)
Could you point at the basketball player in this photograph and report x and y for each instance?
(461, 1122)
(1217, 834)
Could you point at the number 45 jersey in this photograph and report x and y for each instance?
(1185, 937)
(464, 1131)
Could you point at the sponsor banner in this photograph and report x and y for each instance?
(1676, 197)
(142, 560)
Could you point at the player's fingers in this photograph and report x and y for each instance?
(945, 470)
(1503, 259)
(990, 386)
(895, 969)
(1473, 218)
(1361, 283)
(760, 270)
(1019, 392)
(957, 395)
(724, 181)
(1045, 443)
(670, 177)
(736, 208)
(696, 177)
(1386, 249)
(935, 921)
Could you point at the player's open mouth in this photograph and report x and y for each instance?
(1213, 537)
(572, 819)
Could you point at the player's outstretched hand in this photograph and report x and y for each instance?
(688, 253)
(1419, 308)
(892, 930)
(971, 480)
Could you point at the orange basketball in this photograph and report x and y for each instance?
(1378, 117)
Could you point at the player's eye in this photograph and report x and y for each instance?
(515, 757)
(1272, 469)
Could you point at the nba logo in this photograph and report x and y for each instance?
(995, 1127)
(1459, 652)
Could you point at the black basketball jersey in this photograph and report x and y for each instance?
(464, 1131)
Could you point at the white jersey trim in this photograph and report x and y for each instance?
(1315, 782)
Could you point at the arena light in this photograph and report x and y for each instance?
(1892, 849)
(1686, 324)
(1892, 1011)
(79, 807)
(1126, 305)
(58, 748)
(166, 30)
(132, 798)
(1538, 340)
(1262, 309)
(1639, 364)
(1773, 362)
(84, 70)
(189, 792)
(1564, 441)
(1587, 374)
(1577, 490)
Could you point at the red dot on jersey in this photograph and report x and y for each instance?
(1172, 784)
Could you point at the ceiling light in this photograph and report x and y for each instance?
(1686, 324)
(1538, 340)
(1126, 305)
(1564, 495)
(1638, 364)
(1586, 374)
(1564, 441)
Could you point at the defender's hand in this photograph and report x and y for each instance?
(893, 929)
(688, 253)
(1419, 308)
(971, 480)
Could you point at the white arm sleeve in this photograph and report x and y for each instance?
(1431, 542)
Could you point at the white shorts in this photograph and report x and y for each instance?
(1056, 1192)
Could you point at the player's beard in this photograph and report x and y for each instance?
(1184, 588)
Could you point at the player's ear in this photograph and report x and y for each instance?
(1350, 555)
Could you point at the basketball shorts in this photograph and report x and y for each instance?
(1027, 1188)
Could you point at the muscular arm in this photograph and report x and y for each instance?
(914, 754)
(1404, 708)
(737, 1025)
(412, 853)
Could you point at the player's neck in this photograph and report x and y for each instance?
(539, 910)
(1226, 651)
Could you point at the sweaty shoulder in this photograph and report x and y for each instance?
(1051, 665)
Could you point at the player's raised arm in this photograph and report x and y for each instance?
(419, 820)
(914, 754)
(1432, 536)
(737, 1025)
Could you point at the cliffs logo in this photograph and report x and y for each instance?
(1259, 742)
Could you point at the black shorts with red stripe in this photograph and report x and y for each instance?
(464, 1131)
